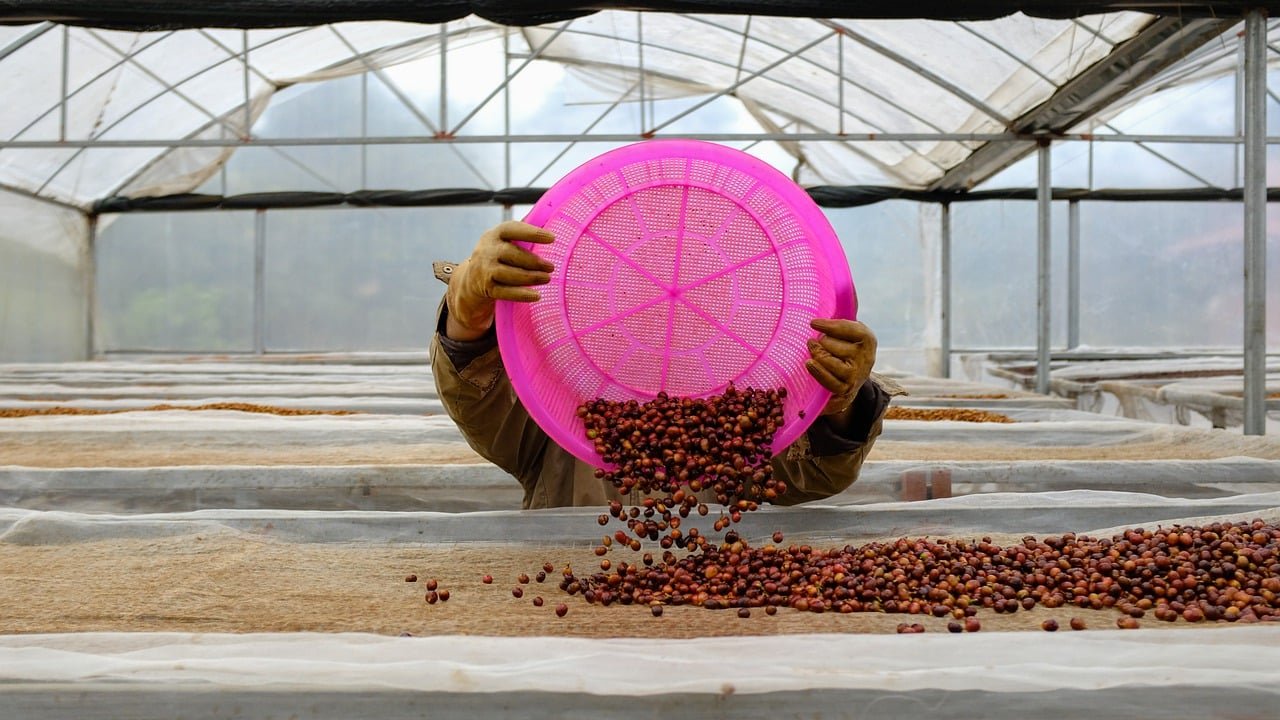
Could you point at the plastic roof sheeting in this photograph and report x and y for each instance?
(918, 77)
(152, 14)
(166, 85)
(899, 76)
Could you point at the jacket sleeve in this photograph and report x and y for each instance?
(824, 462)
(476, 392)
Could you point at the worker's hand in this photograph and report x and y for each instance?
(496, 270)
(842, 361)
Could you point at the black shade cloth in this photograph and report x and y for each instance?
(282, 200)
(167, 14)
(824, 195)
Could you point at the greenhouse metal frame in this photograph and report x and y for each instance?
(1165, 50)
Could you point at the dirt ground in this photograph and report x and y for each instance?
(239, 583)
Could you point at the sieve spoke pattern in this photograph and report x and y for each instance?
(680, 273)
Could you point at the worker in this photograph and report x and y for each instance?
(478, 395)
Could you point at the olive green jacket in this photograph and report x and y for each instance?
(480, 399)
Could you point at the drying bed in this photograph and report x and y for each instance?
(229, 575)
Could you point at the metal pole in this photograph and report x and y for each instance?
(248, 112)
(640, 64)
(259, 281)
(66, 70)
(1044, 196)
(482, 139)
(1073, 274)
(364, 130)
(91, 291)
(444, 77)
(1255, 223)
(1238, 110)
(945, 291)
(840, 92)
(1090, 184)
(506, 116)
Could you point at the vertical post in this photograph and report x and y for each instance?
(248, 111)
(1090, 184)
(840, 93)
(259, 281)
(444, 77)
(945, 290)
(91, 291)
(364, 130)
(1073, 274)
(506, 117)
(1238, 111)
(1255, 222)
(640, 64)
(66, 72)
(1044, 196)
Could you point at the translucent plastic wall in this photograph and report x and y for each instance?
(43, 255)
(361, 279)
(333, 279)
(993, 256)
(176, 281)
(347, 279)
(887, 251)
(1180, 264)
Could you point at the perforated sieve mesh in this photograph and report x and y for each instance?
(681, 266)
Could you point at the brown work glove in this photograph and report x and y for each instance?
(496, 270)
(842, 361)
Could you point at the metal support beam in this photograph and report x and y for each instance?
(599, 118)
(750, 76)
(1044, 206)
(1073, 274)
(437, 134)
(840, 82)
(944, 248)
(248, 103)
(66, 74)
(1255, 223)
(506, 117)
(16, 190)
(91, 291)
(1238, 114)
(921, 71)
(259, 281)
(364, 129)
(22, 41)
(107, 70)
(1163, 42)
(509, 75)
(640, 66)
(742, 49)
(444, 76)
(861, 137)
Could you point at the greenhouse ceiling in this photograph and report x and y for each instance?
(936, 104)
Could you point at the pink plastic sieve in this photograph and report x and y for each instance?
(681, 266)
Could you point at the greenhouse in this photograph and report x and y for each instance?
(241, 473)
